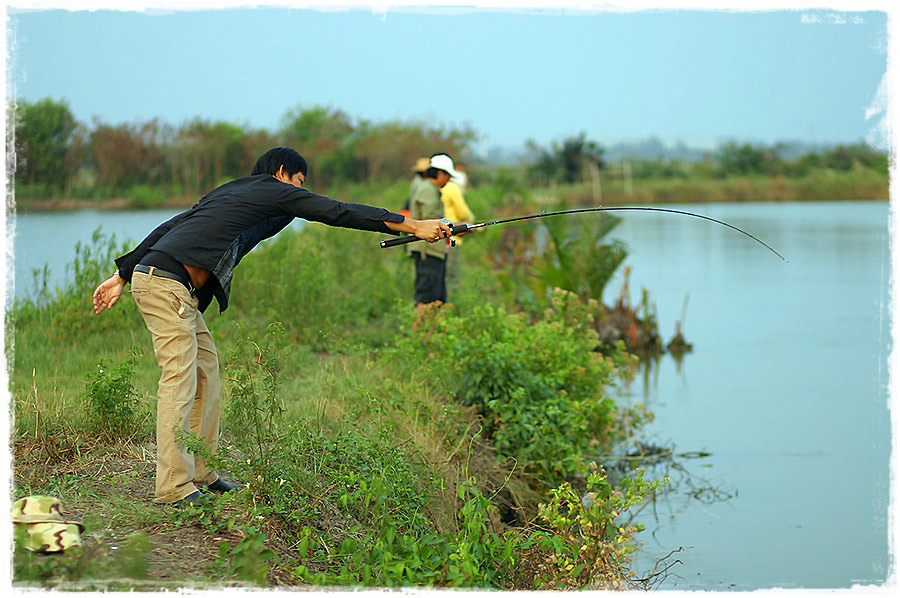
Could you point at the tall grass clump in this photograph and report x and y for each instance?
(66, 313)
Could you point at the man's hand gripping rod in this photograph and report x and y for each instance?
(457, 229)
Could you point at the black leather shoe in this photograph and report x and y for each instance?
(189, 499)
(221, 486)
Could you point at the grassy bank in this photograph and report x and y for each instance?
(376, 448)
(820, 185)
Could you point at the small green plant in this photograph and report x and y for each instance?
(586, 547)
(114, 410)
(254, 409)
(384, 556)
(577, 261)
(249, 559)
(130, 561)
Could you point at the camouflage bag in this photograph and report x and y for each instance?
(45, 527)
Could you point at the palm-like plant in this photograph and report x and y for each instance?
(576, 258)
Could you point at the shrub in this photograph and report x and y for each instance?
(253, 411)
(323, 284)
(540, 386)
(584, 545)
(113, 405)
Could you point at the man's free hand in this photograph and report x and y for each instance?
(108, 293)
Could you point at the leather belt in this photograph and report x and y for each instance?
(154, 271)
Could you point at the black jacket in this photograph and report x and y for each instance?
(231, 220)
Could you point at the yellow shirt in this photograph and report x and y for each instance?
(455, 207)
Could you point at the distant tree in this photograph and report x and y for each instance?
(389, 149)
(203, 154)
(339, 149)
(43, 131)
(322, 135)
(566, 161)
(127, 154)
(746, 159)
(804, 164)
(869, 157)
(844, 157)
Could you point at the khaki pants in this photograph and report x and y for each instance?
(188, 397)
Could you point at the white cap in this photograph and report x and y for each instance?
(445, 163)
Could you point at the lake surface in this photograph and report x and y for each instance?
(50, 238)
(786, 388)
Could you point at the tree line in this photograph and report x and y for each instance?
(576, 158)
(56, 154)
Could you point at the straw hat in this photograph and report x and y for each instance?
(421, 165)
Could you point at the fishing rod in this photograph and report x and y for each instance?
(463, 227)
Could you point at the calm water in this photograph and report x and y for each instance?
(50, 238)
(786, 387)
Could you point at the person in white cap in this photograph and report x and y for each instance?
(431, 259)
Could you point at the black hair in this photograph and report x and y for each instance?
(275, 158)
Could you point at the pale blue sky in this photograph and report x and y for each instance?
(693, 76)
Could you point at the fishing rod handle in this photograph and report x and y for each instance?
(460, 227)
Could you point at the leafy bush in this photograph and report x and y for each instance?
(540, 386)
(585, 546)
(113, 405)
